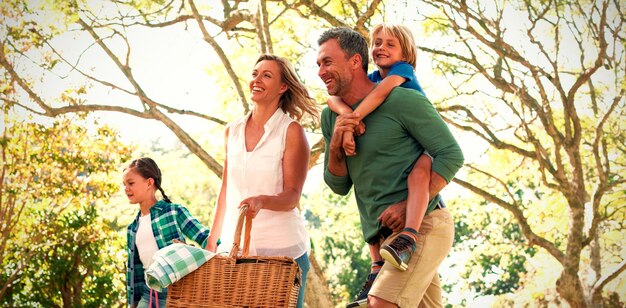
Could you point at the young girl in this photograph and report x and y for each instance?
(157, 224)
(394, 53)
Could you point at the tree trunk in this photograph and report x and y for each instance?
(596, 265)
(66, 294)
(316, 293)
(569, 285)
(571, 289)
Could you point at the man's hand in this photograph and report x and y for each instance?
(394, 216)
(336, 156)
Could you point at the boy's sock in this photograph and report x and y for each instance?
(412, 233)
(377, 265)
(398, 252)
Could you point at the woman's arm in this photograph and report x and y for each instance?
(295, 168)
(220, 207)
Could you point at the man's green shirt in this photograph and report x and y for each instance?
(396, 134)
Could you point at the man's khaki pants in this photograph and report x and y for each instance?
(419, 285)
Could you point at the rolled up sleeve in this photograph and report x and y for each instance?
(338, 184)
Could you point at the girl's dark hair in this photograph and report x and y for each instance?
(148, 169)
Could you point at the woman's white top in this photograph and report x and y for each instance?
(146, 243)
(260, 172)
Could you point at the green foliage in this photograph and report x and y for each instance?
(30, 24)
(55, 249)
(498, 251)
(81, 250)
(335, 229)
(508, 267)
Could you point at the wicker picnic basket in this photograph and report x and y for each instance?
(239, 281)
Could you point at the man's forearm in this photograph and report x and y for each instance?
(337, 162)
(437, 183)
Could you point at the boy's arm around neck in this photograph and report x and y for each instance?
(376, 97)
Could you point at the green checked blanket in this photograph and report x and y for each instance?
(173, 262)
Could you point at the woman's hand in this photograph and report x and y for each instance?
(255, 204)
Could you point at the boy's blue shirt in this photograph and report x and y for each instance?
(401, 69)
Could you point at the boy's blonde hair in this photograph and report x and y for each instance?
(403, 34)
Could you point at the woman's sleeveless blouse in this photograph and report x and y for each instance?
(260, 172)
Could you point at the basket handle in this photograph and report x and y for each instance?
(246, 236)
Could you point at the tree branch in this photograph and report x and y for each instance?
(601, 283)
(533, 238)
(318, 11)
(365, 17)
(220, 53)
(183, 136)
(21, 82)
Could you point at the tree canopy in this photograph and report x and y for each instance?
(54, 249)
(546, 93)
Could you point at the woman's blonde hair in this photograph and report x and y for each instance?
(403, 34)
(296, 101)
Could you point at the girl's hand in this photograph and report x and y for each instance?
(211, 245)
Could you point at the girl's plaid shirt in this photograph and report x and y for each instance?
(170, 222)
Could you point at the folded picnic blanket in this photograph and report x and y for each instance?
(173, 262)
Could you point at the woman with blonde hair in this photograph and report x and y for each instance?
(266, 164)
